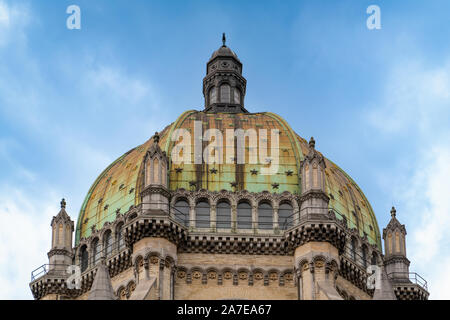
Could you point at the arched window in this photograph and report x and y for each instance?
(181, 212)
(285, 216)
(163, 174)
(202, 213)
(108, 244)
(374, 260)
(213, 95)
(353, 249)
(84, 257)
(364, 255)
(244, 215)
(237, 95)
(60, 234)
(265, 216)
(96, 251)
(225, 94)
(223, 214)
(119, 237)
(155, 171)
(68, 238)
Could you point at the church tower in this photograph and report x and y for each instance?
(224, 86)
(314, 200)
(396, 263)
(60, 255)
(155, 194)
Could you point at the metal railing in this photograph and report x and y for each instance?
(411, 276)
(53, 269)
(226, 224)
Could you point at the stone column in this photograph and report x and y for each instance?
(213, 219)
(192, 216)
(317, 264)
(254, 217)
(233, 218)
(161, 255)
(276, 226)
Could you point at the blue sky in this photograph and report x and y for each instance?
(72, 101)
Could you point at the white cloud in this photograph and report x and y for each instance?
(416, 106)
(4, 15)
(34, 107)
(13, 19)
(415, 100)
(25, 237)
(107, 80)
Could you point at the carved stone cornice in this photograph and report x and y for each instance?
(235, 244)
(155, 189)
(410, 291)
(54, 282)
(50, 285)
(317, 231)
(314, 194)
(396, 258)
(354, 274)
(56, 251)
(160, 227)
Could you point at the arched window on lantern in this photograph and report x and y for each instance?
(84, 258)
(181, 212)
(202, 214)
(244, 215)
(265, 216)
(212, 95)
(223, 214)
(237, 96)
(225, 94)
(285, 216)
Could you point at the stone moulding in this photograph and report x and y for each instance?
(139, 225)
(410, 292)
(56, 284)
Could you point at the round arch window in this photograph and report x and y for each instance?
(244, 215)
(213, 95)
(225, 94)
(223, 213)
(202, 212)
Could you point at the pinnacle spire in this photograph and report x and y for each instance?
(156, 138)
(224, 39)
(312, 143)
(101, 287)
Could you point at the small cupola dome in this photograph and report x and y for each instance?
(224, 86)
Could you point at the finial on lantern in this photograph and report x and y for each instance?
(224, 39)
(63, 204)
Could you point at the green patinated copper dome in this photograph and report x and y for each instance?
(118, 186)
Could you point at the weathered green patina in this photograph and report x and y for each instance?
(118, 187)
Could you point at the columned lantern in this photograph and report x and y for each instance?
(224, 86)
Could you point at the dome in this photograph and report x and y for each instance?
(118, 186)
(223, 51)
